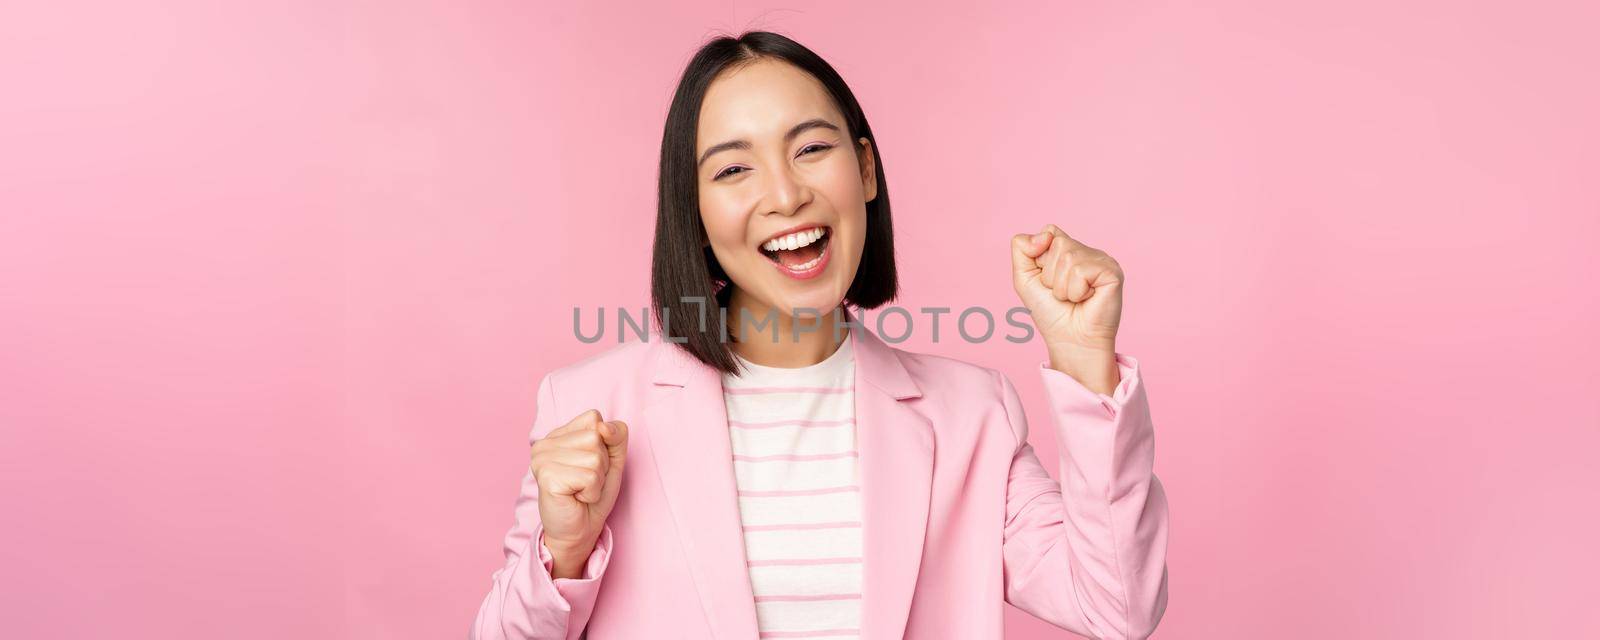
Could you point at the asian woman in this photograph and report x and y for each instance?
(766, 467)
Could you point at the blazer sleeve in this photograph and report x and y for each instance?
(1088, 554)
(524, 601)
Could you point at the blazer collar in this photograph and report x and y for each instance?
(684, 426)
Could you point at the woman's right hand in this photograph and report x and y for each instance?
(578, 467)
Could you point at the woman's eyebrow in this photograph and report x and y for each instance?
(796, 130)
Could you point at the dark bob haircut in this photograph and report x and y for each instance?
(688, 288)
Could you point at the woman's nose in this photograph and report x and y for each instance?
(785, 191)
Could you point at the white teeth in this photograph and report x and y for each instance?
(793, 240)
(807, 265)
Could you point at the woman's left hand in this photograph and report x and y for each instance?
(1074, 293)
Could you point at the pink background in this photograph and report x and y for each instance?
(278, 280)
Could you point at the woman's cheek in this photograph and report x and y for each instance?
(841, 181)
(844, 189)
(723, 225)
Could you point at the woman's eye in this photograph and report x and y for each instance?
(810, 148)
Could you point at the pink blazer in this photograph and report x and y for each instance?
(959, 513)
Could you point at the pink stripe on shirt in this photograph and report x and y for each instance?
(800, 562)
(766, 390)
(793, 456)
(810, 598)
(790, 423)
(803, 527)
(784, 493)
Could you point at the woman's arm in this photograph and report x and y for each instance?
(525, 601)
(1088, 554)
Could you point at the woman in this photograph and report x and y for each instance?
(802, 478)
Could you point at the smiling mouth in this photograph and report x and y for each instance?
(798, 251)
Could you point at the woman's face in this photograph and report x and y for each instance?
(785, 205)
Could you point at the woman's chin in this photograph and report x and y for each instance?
(801, 298)
(809, 304)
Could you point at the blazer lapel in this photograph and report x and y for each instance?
(687, 430)
(896, 447)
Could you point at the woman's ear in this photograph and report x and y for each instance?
(869, 170)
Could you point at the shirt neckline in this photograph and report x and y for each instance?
(837, 362)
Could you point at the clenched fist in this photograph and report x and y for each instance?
(578, 467)
(1074, 293)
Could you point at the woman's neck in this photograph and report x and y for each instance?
(785, 340)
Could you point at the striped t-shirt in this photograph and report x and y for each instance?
(794, 458)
